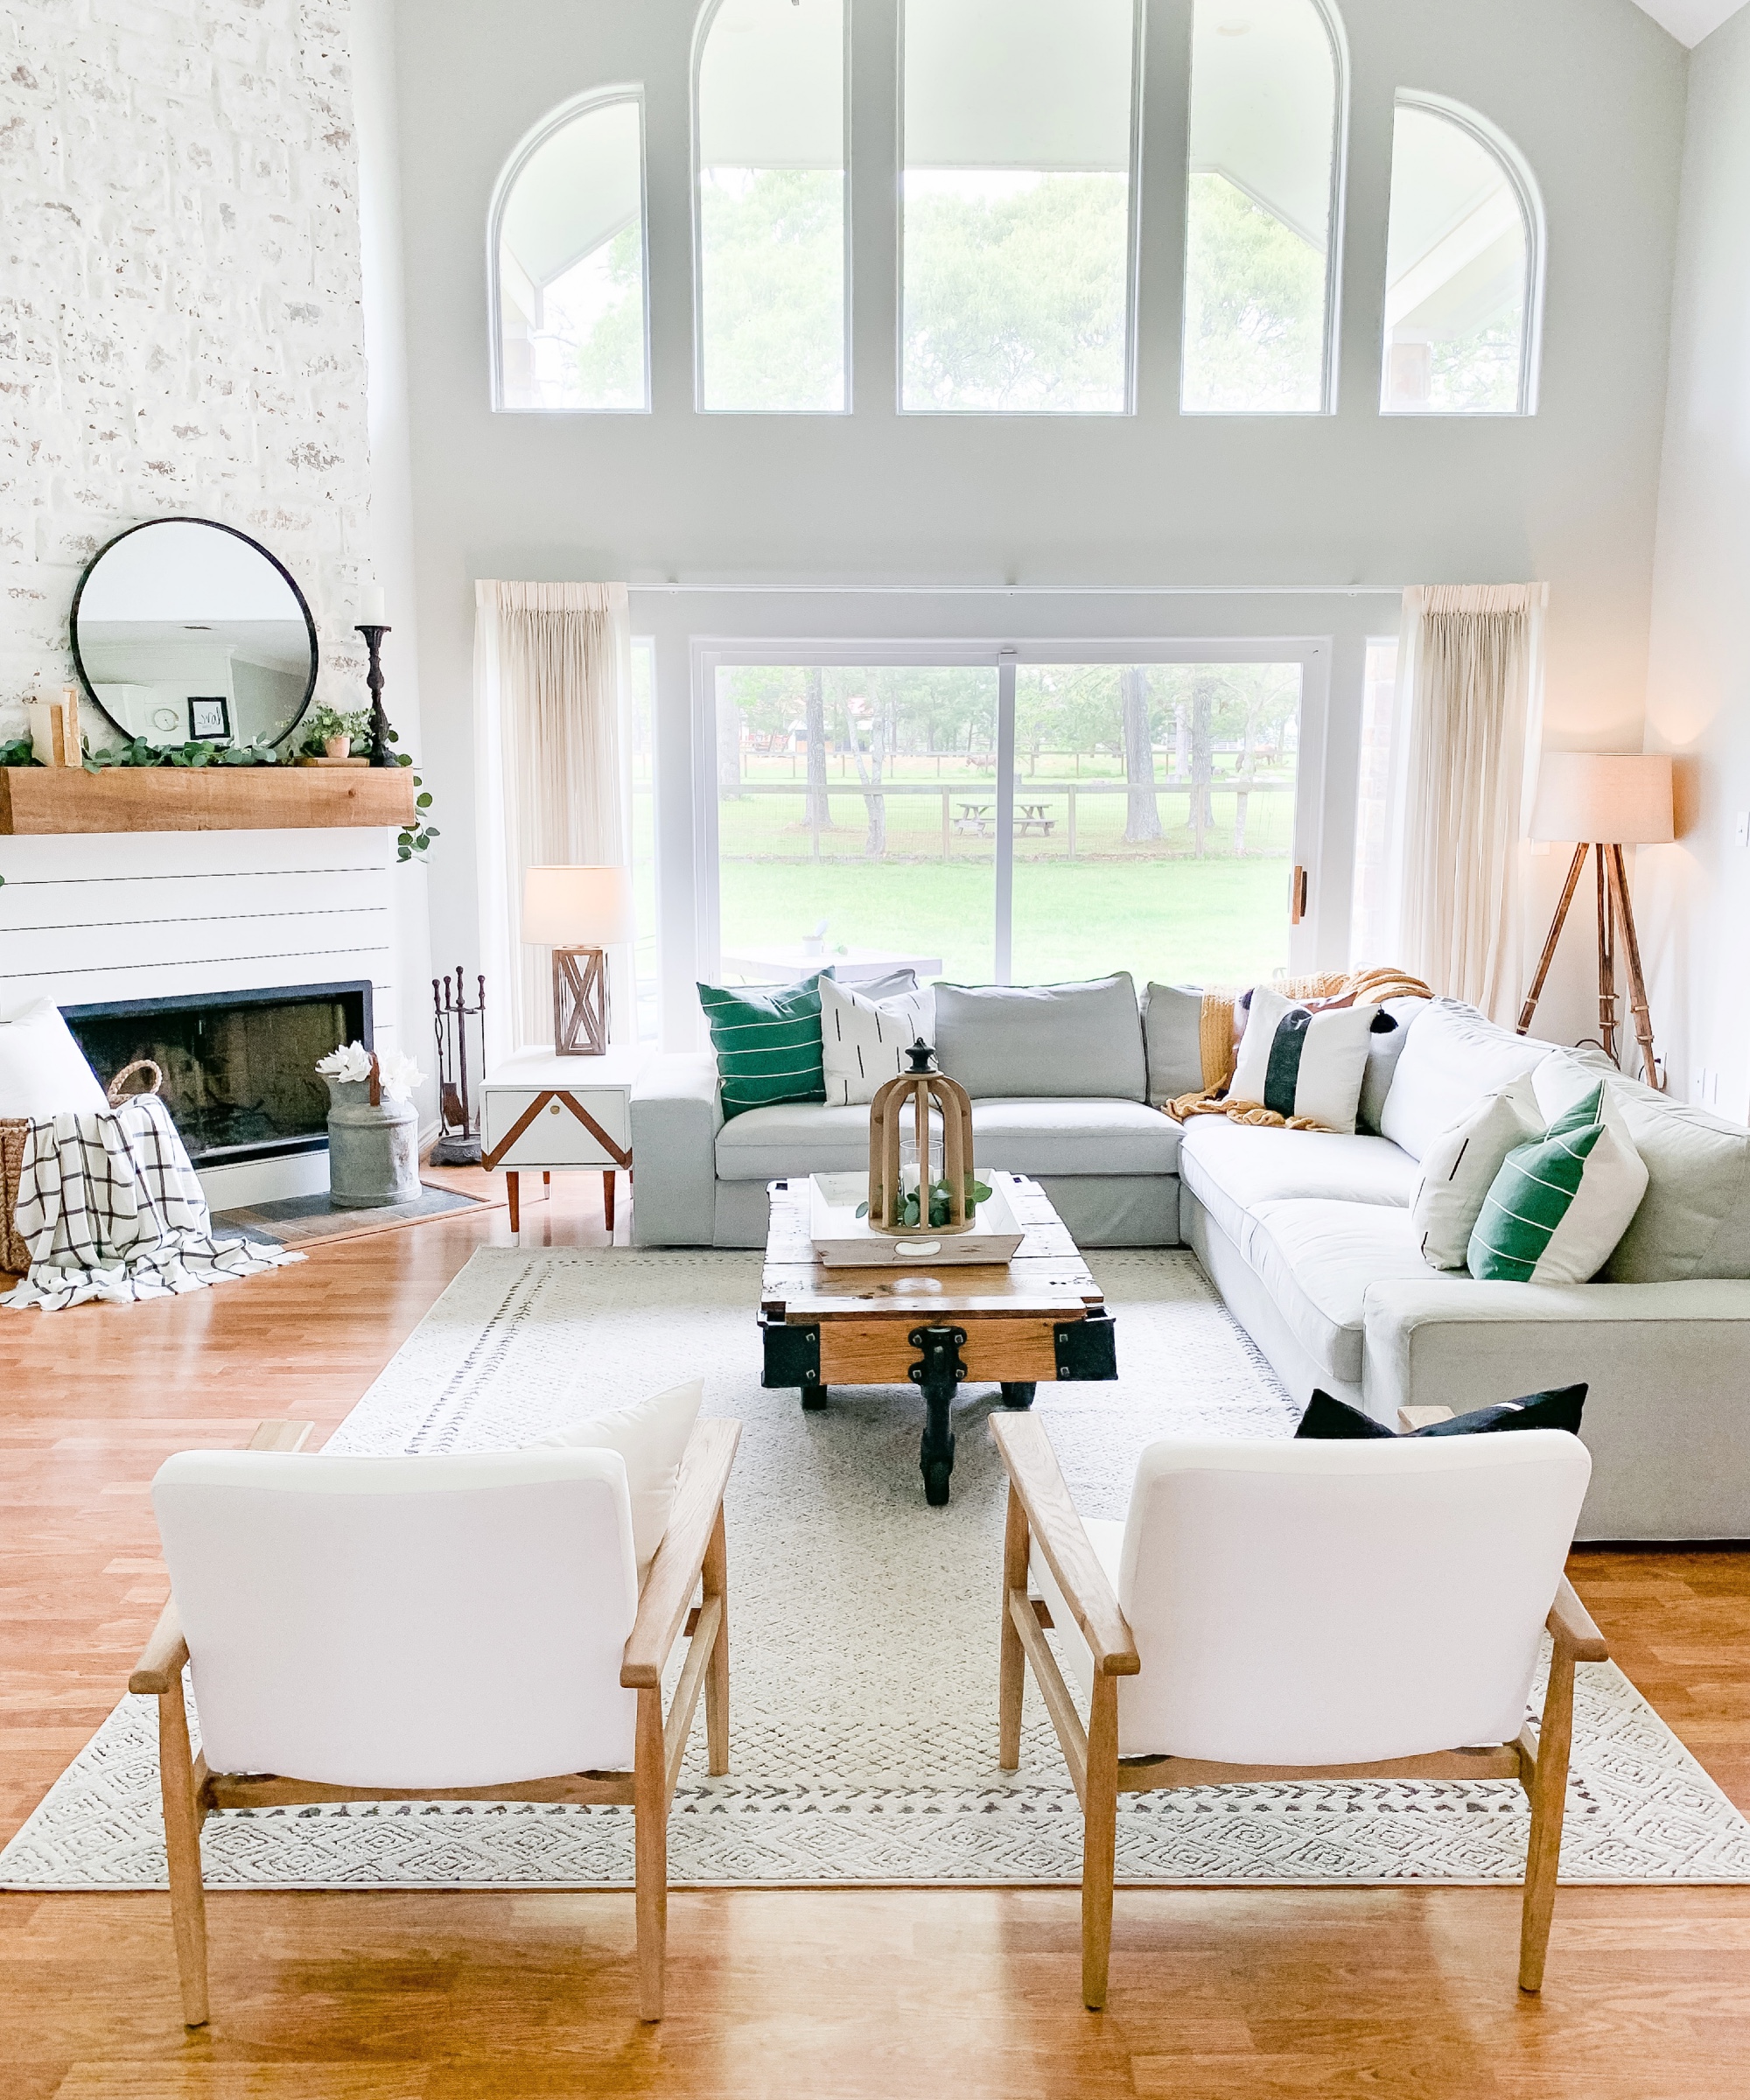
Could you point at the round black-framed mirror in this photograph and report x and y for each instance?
(188, 630)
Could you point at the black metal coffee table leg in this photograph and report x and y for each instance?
(938, 1377)
(1018, 1392)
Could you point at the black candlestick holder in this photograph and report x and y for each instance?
(380, 753)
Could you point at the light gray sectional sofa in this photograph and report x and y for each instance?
(1058, 1076)
(1307, 1235)
(1308, 1238)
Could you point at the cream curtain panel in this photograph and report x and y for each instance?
(552, 666)
(1469, 728)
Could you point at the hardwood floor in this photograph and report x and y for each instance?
(893, 1993)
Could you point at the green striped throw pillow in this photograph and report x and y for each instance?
(1554, 1213)
(767, 1043)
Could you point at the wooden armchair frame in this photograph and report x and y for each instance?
(1040, 1508)
(692, 1557)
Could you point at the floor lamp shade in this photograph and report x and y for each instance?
(578, 912)
(1605, 798)
(1604, 801)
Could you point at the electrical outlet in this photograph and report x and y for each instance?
(1742, 834)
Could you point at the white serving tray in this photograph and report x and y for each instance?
(843, 1241)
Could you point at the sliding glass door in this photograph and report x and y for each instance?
(1005, 815)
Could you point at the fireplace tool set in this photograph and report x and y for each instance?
(458, 1142)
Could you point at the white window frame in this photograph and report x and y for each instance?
(708, 15)
(1132, 258)
(1312, 653)
(509, 175)
(1514, 165)
(1331, 348)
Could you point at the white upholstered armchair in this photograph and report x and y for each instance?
(1299, 1610)
(458, 1628)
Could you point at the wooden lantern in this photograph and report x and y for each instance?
(926, 1091)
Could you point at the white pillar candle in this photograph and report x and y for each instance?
(370, 605)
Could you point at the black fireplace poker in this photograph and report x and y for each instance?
(380, 753)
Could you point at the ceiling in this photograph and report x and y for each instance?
(1689, 21)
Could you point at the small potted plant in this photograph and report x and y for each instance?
(333, 733)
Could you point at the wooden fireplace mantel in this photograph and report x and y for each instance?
(41, 799)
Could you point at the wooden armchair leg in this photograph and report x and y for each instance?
(716, 1584)
(650, 1818)
(182, 1818)
(1099, 1844)
(1012, 1676)
(1549, 1801)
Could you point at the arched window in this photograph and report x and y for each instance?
(1019, 166)
(1463, 268)
(769, 134)
(566, 262)
(1264, 216)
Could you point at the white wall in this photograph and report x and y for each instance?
(1591, 90)
(1692, 899)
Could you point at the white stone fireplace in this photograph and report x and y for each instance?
(133, 918)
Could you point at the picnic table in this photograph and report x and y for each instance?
(1032, 818)
(974, 820)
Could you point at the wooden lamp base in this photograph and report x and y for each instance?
(1615, 914)
(579, 1002)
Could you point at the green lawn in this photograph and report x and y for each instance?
(1171, 919)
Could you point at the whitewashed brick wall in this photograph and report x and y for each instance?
(180, 328)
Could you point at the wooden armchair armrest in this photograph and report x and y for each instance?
(1571, 1624)
(1038, 1479)
(668, 1594)
(160, 1665)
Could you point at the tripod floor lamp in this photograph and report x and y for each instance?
(579, 914)
(1606, 801)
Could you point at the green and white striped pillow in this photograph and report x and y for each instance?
(1554, 1213)
(767, 1044)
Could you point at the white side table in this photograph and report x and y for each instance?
(539, 1112)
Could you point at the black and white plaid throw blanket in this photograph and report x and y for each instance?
(110, 1207)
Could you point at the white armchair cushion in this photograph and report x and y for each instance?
(436, 1621)
(1321, 1604)
(651, 1435)
(43, 1071)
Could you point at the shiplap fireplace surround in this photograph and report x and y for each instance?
(90, 919)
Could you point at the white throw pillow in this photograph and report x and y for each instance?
(652, 1436)
(863, 1041)
(1301, 1063)
(1459, 1169)
(43, 1071)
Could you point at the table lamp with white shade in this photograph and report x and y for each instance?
(578, 912)
(1604, 801)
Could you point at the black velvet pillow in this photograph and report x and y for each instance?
(1335, 1421)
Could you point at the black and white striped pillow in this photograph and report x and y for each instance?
(1303, 1063)
(863, 1041)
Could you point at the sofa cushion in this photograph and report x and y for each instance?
(1074, 1137)
(1694, 1220)
(1316, 1258)
(793, 1138)
(1028, 1042)
(1172, 1037)
(1231, 1168)
(1453, 1057)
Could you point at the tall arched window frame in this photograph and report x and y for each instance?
(772, 207)
(1268, 140)
(568, 269)
(1465, 248)
(1019, 135)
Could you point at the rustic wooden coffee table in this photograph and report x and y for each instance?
(1039, 1315)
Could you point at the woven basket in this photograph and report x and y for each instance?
(14, 1257)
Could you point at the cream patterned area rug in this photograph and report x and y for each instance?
(863, 1640)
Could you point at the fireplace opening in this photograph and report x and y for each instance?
(239, 1067)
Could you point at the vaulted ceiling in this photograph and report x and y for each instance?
(1689, 21)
